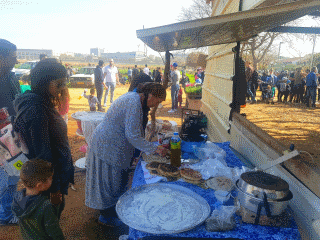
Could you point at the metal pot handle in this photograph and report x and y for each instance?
(264, 204)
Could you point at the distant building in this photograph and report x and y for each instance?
(96, 51)
(32, 54)
(124, 56)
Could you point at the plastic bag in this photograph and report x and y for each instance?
(221, 219)
(210, 151)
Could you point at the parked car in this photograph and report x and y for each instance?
(24, 69)
(84, 79)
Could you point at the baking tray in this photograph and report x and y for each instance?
(135, 209)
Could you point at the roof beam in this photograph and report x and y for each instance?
(304, 30)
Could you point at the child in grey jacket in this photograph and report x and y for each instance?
(92, 100)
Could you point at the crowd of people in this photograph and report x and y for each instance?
(290, 86)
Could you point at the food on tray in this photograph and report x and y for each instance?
(190, 175)
(168, 170)
(153, 167)
(220, 183)
(164, 209)
(166, 125)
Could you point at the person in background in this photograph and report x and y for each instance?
(99, 83)
(92, 100)
(272, 79)
(252, 81)
(146, 70)
(287, 91)
(135, 72)
(312, 83)
(25, 86)
(9, 89)
(202, 75)
(282, 88)
(38, 218)
(43, 129)
(175, 80)
(111, 78)
(10, 86)
(298, 80)
(318, 89)
(129, 75)
(158, 75)
(112, 145)
(180, 97)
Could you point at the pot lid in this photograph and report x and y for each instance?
(265, 180)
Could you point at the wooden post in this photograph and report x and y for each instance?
(165, 84)
(166, 70)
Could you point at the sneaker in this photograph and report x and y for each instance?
(111, 221)
(175, 110)
(171, 111)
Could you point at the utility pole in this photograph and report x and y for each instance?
(279, 52)
(314, 44)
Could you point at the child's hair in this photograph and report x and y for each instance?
(35, 171)
(269, 87)
(92, 91)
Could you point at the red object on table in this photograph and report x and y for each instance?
(4, 115)
(79, 125)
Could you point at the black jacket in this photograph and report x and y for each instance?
(45, 134)
(38, 218)
(9, 87)
(98, 75)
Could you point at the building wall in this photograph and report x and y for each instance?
(32, 54)
(217, 89)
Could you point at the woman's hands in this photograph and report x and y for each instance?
(56, 198)
(162, 151)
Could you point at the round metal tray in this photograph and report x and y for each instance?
(92, 116)
(133, 213)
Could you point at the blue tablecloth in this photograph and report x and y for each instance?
(242, 231)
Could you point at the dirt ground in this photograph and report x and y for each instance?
(292, 123)
(79, 222)
(289, 123)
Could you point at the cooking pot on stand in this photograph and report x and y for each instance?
(257, 183)
(262, 206)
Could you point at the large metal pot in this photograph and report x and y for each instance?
(251, 203)
(257, 183)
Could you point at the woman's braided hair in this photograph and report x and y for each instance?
(156, 89)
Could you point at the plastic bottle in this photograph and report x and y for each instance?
(175, 145)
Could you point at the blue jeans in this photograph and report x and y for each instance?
(111, 86)
(252, 95)
(174, 96)
(311, 92)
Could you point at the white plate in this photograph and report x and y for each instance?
(162, 208)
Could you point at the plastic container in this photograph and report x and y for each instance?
(175, 146)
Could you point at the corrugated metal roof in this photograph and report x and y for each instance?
(223, 29)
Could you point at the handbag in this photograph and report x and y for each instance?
(13, 151)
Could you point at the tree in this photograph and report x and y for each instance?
(196, 59)
(255, 49)
(198, 9)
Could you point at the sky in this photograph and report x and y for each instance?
(78, 25)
